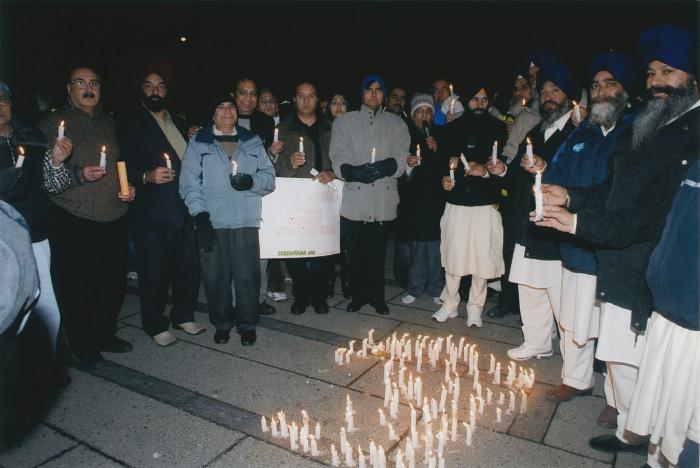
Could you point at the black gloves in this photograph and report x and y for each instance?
(13, 183)
(241, 181)
(206, 236)
(385, 167)
(368, 173)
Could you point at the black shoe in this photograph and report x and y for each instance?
(498, 312)
(611, 444)
(115, 345)
(298, 307)
(87, 361)
(222, 336)
(354, 305)
(266, 309)
(381, 308)
(321, 308)
(345, 287)
(248, 338)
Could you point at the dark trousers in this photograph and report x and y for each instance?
(88, 270)
(166, 257)
(236, 257)
(309, 279)
(275, 275)
(508, 298)
(366, 252)
(402, 262)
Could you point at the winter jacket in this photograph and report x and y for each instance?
(421, 197)
(205, 185)
(353, 137)
(33, 203)
(673, 274)
(142, 144)
(582, 161)
(626, 214)
(290, 131)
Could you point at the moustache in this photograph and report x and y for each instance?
(88, 95)
(550, 102)
(669, 90)
(154, 98)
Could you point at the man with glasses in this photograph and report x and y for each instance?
(89, 239)
(153, 142)
(309, 275)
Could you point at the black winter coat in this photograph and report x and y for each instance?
(626, 214)
(142, 144)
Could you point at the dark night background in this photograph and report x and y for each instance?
(331, 44)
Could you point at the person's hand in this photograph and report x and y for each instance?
(496, 167)
(127, 198)
(206, 235)
(554, 195)
(325, 177)
(277, 147)
(449, 116)
(537, 167)
(412, 161)
(297, 160)
(432, 144)
(447, 183)
(61, 150)
(192, 131)
(93, 173)
(241, 182)
(476, 169)
(160, 175)
(584, 113)
(555, 217)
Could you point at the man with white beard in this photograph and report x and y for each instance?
(582, 161)
(625, 216)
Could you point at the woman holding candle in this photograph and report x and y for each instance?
(228, 238)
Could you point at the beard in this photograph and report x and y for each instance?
(659, 110)
(155, 103)
(606, 111)
(549, 115)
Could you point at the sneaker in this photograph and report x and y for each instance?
(132, 275)
(277, 296)
(437, 300)
(474, 319)
(443, 315)
(191, 328)
(408, 299)
(165, 338)
(523, 353)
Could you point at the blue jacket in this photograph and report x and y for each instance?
(673, 276)
(204, 181)
(582, 161)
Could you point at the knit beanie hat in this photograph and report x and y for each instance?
(368, 81)
(421, 100)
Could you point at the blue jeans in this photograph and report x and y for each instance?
(689, 456)
(425, 271)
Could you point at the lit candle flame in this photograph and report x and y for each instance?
(523, 102)
(529, 142)
(104, 149)
(61, 124)
(21, 150)
(165, 155)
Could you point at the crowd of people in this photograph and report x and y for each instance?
(580, 199)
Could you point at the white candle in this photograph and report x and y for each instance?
(441, 442)
(492, 364)
(489, 396)
(335, 461)
(276, 137)
(497, 374)
(453, 435)
(452, 106)
(441, 462)
(373, 154)
(273, 427)
(370, 336)
(577, 111)
(431, 462)
(283, 424)
(464, 162)
(443, 398)
(304, 444)
(349, 461)
(234, 171)
(381, 457)
(501, 398)
(382, 418)
(392, 433)
(418, 152)
(61, 130)
(452, 171)
(528, 150)
(539, 200)
(469, 434)
(452, 90)
(494, 152)
(361, 462)
(511, 402)
(301, 144)
(372, 453)
(481, 406)
(498, 415)
(433, 408)
(523, 402)
(103, 157)
(314, 446)
(418, 389)
(413, 418)
(317, 433)
(20, 157)
(263, 423)
(168, 164)
(399, 458)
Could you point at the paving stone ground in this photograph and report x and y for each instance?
(199, 404)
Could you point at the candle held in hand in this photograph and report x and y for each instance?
(103, 157)
(373, 155)
(234, 167)
(539, 200)
(577, 111)
(61, 130)
(530, 157)
(168, 164)
(123, 181)
(20, 157)
(494, 152)
(277, 135)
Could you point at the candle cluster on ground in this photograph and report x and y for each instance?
(434, 419)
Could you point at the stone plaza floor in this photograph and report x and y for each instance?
(199, 404)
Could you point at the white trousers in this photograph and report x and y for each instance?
(622, 379)
(477, 293)
(538, 307)
(47, 307)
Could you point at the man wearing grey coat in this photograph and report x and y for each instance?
(368, 151)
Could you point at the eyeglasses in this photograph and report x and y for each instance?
(82, 84)
(5, 101)
(338, 103)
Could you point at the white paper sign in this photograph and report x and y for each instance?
(301, 218)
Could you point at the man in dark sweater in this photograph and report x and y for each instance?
(625, 215)
(152, 143)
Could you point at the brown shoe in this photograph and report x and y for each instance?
(608, 417)
(563, 392)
